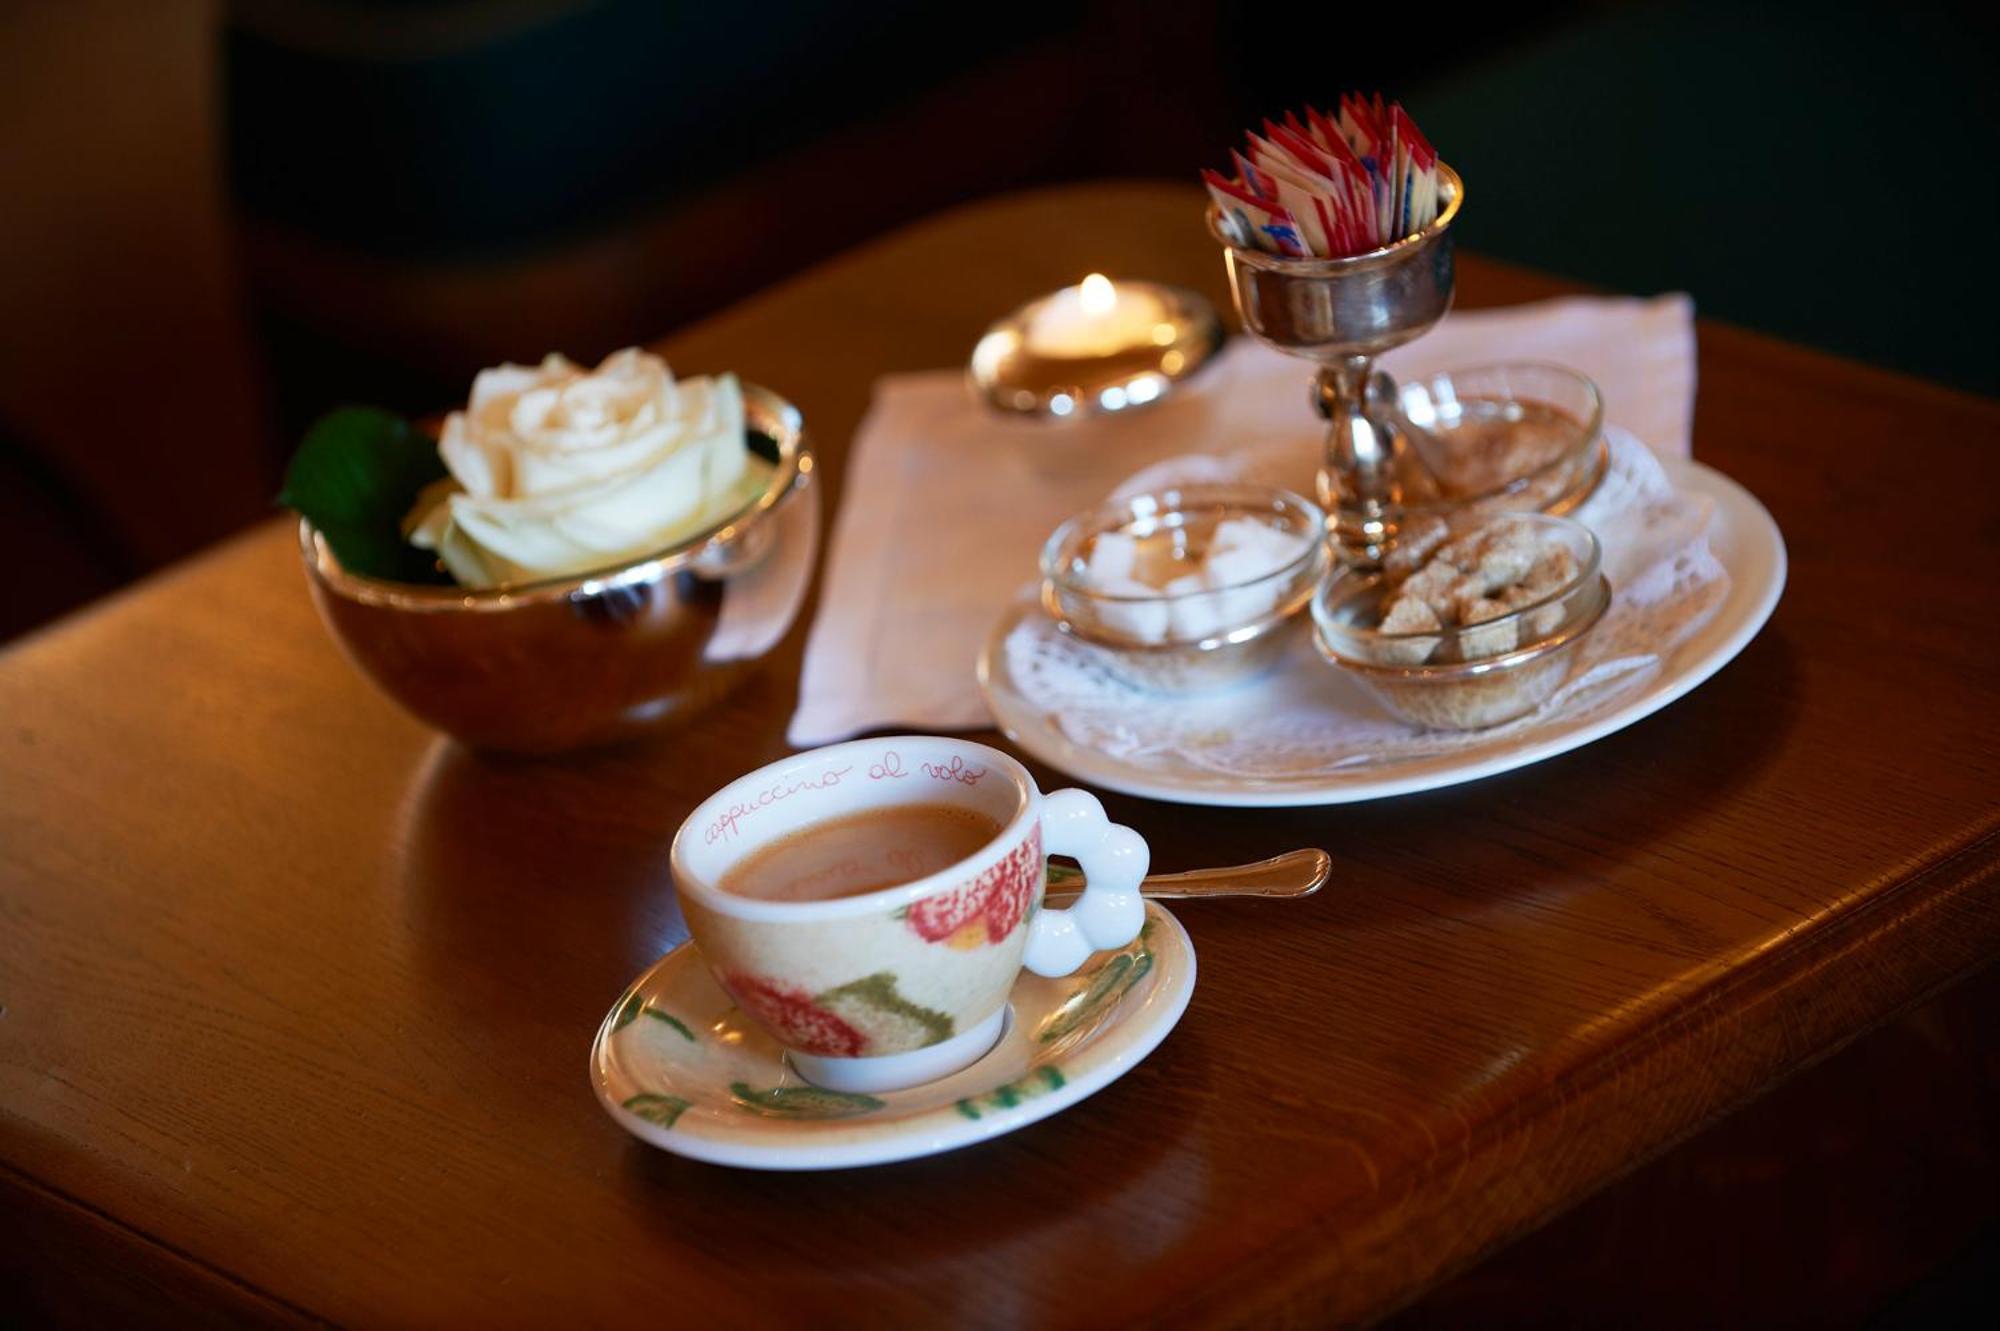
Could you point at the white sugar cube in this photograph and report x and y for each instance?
(1201, 616)
(1112, 555)
(1227, 567)
(1242, 533)
(1190, 608)
(1275, 546)
(1142, 621)
(1245, 550)
(1247, 604)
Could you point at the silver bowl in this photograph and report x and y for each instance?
(1342, 313)
(591, 659)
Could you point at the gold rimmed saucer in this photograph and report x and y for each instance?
(680, 1067)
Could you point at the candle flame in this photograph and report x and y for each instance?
(1098, 295)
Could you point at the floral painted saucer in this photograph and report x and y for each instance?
(680, 1067)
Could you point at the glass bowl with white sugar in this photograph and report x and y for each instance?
(1188, 588)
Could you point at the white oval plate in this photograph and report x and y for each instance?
(680, 1067)
(1742, 535)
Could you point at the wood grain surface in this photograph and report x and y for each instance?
(295, 998)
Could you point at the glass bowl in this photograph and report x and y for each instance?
(1194, 638)
(579, 661)
(1521, 437)
(1470, 677)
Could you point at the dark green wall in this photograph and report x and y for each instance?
(1822, 172)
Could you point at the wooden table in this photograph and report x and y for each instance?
(297, 997)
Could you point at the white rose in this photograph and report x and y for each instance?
(556, 470)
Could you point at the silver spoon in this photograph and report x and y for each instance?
(1297, 873)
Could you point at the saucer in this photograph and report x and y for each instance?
(1743, 538)
(680, 1067)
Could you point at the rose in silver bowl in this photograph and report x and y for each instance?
(597, 657)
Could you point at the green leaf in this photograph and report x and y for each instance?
(357, 473)
(1041, 1081)
(878, 992)
(665, 1110)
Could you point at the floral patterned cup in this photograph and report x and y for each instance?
(901, 986)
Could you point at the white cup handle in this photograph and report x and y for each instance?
(1110, 912)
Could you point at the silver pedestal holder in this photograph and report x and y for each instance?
(1342, 314)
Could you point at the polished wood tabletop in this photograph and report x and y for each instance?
(296, 998)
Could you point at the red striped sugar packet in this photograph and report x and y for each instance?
(1253, 223)
(1394, 169)
(1367, 138)
(1254, 180)
(1331, 186)
(1357, 130)
(1340, 187)
(1352, 174)
(1303, 192)
(1363, 124)
(1416, 174)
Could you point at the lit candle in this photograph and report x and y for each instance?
(1096, 318)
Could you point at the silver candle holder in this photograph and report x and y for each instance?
(1342, 314)
(1011, 373)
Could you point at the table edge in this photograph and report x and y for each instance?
(1309, 1279)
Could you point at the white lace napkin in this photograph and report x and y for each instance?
(947, 504)
(1304, 719)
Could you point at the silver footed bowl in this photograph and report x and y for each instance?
(600, 657)
(1340, 314)
(1335, 310)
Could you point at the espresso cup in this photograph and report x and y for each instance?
(900, 986)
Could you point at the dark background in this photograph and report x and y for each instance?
(217, 220)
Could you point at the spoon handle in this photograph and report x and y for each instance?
(1293, 874)
(1298, 873)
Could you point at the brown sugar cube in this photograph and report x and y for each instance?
(1407, 614)
(1498, 553)
(1433, 585)
(1467, 601)
(1464, 550)
(1539, 623)
(1465, 589)
(1472, 539)
(1413, 546)
(1476, 642)
(1555, 567)
(1508, 553)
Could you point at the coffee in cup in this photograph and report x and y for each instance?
(860, 852)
